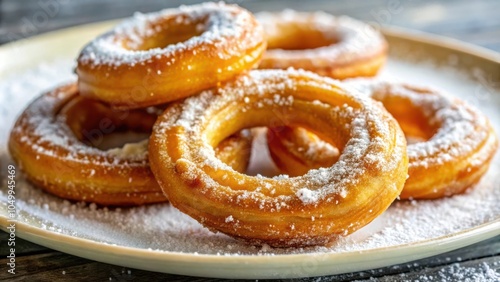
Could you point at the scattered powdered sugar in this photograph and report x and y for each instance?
(462, 273)
(17, 90)
(163, 228)
(217, 22)
(484, 272)
(307, 196)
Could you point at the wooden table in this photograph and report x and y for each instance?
(476, 22)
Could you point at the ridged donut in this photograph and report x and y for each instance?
(454, 145)
(334, 46)
(160, 57)
(55, 142)
(308, 210)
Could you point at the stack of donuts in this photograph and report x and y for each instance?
(195, 79)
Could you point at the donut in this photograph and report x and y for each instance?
(160, 57)
(451, 144)
(312, 209)
(338, 47)
(56, 143)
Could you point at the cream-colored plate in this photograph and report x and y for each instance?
(414, 57)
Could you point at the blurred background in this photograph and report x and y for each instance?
(474, 21)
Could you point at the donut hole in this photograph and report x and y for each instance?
(413, 122)
(300, 37)
(297, 150)
(100, 126)
(258, 156)
(261, 163)
(415, 133)
(411, 117)
(165, 32)
(301, 147)
(236, 150)
(119, 139)
(126, 132)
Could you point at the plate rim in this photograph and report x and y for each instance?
(448, 242)
(442, 42)
(107, 252)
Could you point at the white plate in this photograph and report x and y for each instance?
(159, 238)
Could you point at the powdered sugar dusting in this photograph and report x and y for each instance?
(461, 127)
(459, 273)
(51, 136)
(269, 87)
(164, 229)
(215, 21)
(307, 196)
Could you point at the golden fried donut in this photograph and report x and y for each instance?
(164, 56)
(308, 210)
(457, 142)
(339, 47)
(54, 142)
